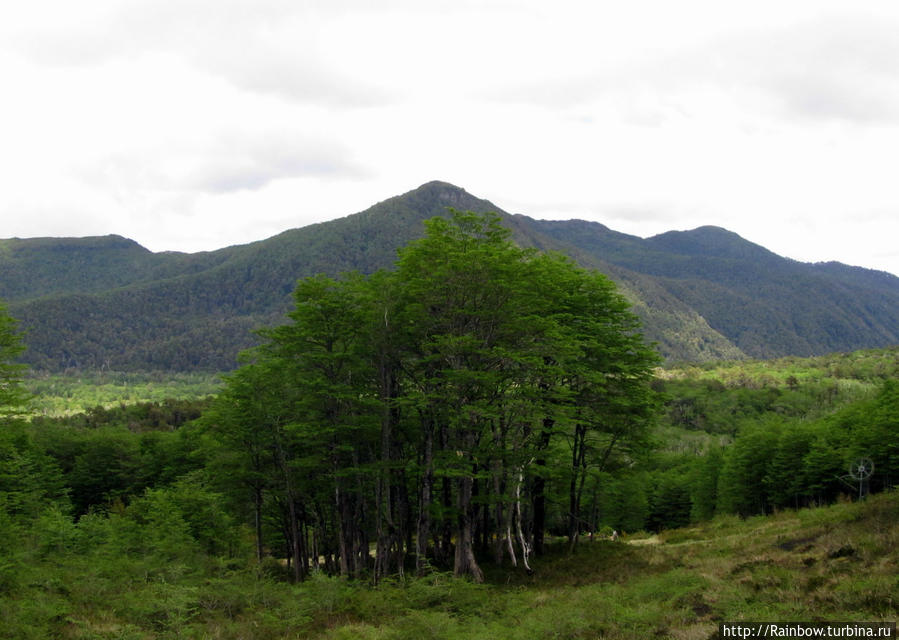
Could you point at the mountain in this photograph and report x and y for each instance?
(702, 294)
(764, 304)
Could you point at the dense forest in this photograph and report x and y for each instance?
(706, 294)
(479, 411)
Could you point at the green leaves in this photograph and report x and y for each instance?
(439, 379)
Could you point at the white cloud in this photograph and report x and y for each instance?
(224, 162)
(196, 124)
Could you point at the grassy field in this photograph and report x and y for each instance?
(837, 563)
(68, 394)
(859, 367)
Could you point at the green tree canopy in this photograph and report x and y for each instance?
(421, 408)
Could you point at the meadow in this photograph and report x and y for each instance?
(835, 563)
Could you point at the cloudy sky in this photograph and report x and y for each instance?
(196, 124)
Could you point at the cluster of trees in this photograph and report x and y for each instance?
(100, 458)
(792, 465)
(458, 404)
(777, 435)
(125, 480)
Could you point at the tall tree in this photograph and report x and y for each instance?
(460, 283)
(449, 380)
(324, 354)
(592, 377)
(741, 483)
(242, 421)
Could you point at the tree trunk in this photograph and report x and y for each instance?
(525, 547)
(446, 541)
(257, 516)
(298, 568)
(538, 501)
(424, 500)
(343, 551)
(577, 459)
(403, 517)
(498, 472)
(299, 571)
(500, 520)
(465, 562)
(385, 525)
(446, 537)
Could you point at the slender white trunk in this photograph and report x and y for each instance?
(510, 539)
(525, 547)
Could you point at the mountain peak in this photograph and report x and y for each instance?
(432, 199)
(438, 184)
(710, 241)
(86, 243)
(35, 267)
(444, 193)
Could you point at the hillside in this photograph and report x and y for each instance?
(837, 564)
(766, 305)
(702, 294)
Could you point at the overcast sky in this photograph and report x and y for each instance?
(195, 124)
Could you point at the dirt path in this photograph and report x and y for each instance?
(644, 541)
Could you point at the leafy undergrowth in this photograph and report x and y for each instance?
(838, 563)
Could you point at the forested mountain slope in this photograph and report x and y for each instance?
(765, 304)
(702, 294)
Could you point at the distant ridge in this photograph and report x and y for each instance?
(702, 294)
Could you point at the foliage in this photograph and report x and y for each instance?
(132, 521)
(764, 304)
(420, 408)
(443, 416)
(122, 576)
(107, 303)
(791, 426)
